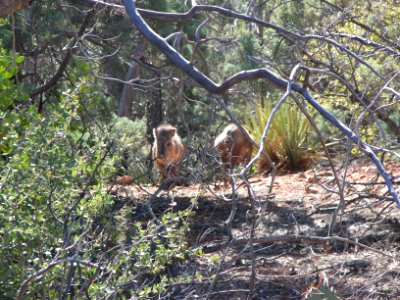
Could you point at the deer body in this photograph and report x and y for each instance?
(233, 148)
(167, 150)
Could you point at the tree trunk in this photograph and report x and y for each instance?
(154, 110)
(8, 7)
(154, 115)
(128, 93)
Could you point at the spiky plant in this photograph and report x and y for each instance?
(286, 137)
(255, 124)
(292, 127)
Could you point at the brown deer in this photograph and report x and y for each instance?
(167, 150)
(233, 148)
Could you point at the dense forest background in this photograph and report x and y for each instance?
(81, 90)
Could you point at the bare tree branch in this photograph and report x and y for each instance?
(48, 268)
(281, 83)
(290, 238)
(181, 17)
(365, 27)
(369, 43)
(66, 59)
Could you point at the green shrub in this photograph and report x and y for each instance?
(51, 160)
(60, 226)
(55, 205)
(131, 146)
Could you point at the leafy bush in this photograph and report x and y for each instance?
(52, 165)
(11, 94)
(131, 146)
(60, 227)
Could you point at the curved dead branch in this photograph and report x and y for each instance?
(263, 73)
(368, 43)
(70, 49)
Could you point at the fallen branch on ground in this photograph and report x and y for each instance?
(290, 238)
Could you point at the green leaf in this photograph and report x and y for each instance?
(19, 59)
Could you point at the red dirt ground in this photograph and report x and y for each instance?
(300, 204)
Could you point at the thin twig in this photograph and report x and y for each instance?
(90, 180)
(49, 206)
(328, 156)
(24, 286)
(211, 287)
(70, 49)
(291, 238)
(252, 283)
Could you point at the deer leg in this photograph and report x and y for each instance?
(235, 200)
(170, 173)
(226, 177)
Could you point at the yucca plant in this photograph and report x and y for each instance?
(255, 125)
(286, 137)
(292, 127)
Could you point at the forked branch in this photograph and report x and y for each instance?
(262, 73)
